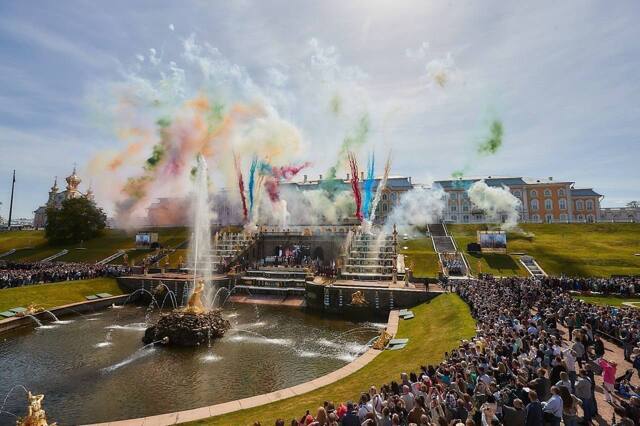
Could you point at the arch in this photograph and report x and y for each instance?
(318, 253)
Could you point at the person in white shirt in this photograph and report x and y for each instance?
(570, 361)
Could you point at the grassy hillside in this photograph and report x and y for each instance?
(492, 263)
(420, 253)
(56, 294)
(18, 239)
(438, 327)
(571, 249)
(89, 251)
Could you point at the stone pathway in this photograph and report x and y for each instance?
(612, 353)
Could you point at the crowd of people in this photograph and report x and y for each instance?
(518, 370)
(624, 286)
(453, 263)
(16, 274)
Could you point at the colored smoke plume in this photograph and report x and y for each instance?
(243, 199)
(355, 185)
(498, 204)
(351, 142)
(381, 186)
(368, 186)
(494, 141)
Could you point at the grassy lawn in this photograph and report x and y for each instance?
(19, 239)
(420, 252)
(607, 300)
(89, 251)
(488, 263)
(437, 328)
(600, 249)
(56, 294)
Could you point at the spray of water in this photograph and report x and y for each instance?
(200, 247)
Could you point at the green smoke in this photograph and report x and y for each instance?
(155, 158)
(351, 142)
(163, 122)
(214, 115)
(494, 141)
(336, 104)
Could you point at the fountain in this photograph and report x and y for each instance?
(198, 322)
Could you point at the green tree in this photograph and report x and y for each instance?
(78, 219)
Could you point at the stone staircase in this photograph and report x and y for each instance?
(228, 247)
(532, 267)
(447, 251)
(277, 280)
(369, 258)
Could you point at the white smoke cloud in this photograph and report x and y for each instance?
(418, 207)
(496, 203)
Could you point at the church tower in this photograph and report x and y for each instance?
(51, 202)
(73, 182)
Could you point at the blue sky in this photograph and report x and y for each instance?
(561, 76)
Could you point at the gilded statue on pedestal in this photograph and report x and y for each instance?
(382, 341)
(358, 299)
(194, 305)
(35, 413)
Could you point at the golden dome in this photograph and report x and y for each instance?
(73, 181)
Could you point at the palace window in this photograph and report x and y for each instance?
(454, 208)
(589, 205)
(548, 204)
(454, 217)
(384, 197)
(590, 218)
(465, 207)
(581, 217)
(547, 193)
(549, 218)
(393, 196)
(561, 192)
(563, 203)
(517, 194)
(533, 193)
(535, 218)
(563, 217)
(534, 204)
(465, 218)
(384, 207)
(579, 205)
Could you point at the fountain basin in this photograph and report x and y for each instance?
(187, 329)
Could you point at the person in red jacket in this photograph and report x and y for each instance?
(608, 377)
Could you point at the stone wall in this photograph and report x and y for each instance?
(380, 300)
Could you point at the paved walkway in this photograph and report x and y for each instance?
(612, 353)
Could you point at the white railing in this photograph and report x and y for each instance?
(55, 256)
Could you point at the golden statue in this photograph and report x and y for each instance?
(125, 259)
(31, 309)
(35, 414)
(382, 341)
(194, 305)
(358, 299)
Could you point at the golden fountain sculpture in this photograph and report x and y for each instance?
(35, 413)
(382, 341)
(31, 309)
(358, 299)
(194, 305)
